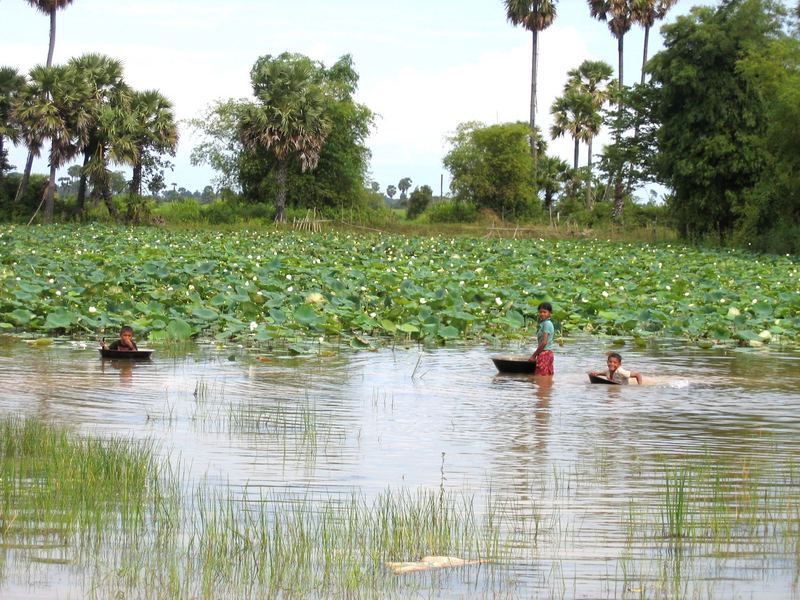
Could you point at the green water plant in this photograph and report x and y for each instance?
(292, 288)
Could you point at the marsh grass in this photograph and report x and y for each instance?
(135, 527)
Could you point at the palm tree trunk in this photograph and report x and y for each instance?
(589, 202)
(80, 201)
(109, 202)
(49, 194)
(575, 154)
(534, 70)
(26, 175)
(619, 62)
(644, 52)
(52, 47)
(280, 200)
(618, 198)
(136, 179)
(618, 189)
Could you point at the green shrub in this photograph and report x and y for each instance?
(418, 202)
(452, 211)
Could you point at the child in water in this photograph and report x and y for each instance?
(543, 355)
(125, 341)
(615, 372)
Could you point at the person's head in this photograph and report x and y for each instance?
(126, 333)
(545, 310)
(614, 361)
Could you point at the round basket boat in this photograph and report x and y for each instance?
(514, 364)
(134, 354)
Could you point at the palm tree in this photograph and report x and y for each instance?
(11, 84)
(404, 185)
(48, 7)
(288, 120)
(646, 13)
(101, 80)
(550, 178)
(592, 77)
(46, 111)
(156, 131)
(618, 15)
(535, 16)
(574, 113)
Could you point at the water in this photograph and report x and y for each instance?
(588, 463)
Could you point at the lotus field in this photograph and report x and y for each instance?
(371, 289)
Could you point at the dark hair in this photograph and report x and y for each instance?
(126, 329)
(546, 306)
(616, 355)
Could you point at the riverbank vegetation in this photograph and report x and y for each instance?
(709, 125)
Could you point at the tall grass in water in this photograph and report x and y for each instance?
(58, 487)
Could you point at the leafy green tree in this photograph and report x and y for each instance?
(341, 171)
(404, 185)
(11, 84)
(155, 134)
(338, 179)
(221, 148)
(288, 120)
(420, 198)
(712, 120)
(375, 186)
(769, 217)
(492, 166)
(391, 191)
(535, 16)
(646, 13)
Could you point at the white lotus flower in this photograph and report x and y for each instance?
(315, 298)
(253, 325)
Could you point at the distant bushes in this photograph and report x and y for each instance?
(452, 211)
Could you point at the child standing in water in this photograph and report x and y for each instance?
(615, 372)
(543, 355)
(125, 341)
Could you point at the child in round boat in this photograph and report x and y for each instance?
(543, 355)
(125, 341)
(615, 372)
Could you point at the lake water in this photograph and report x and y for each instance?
(590, 465)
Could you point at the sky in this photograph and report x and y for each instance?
(424, 65)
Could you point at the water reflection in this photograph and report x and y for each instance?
(569, 456)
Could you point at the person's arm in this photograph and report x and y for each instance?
(637, 376)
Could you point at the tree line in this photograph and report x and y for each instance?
(714, 123)
(83, 109)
